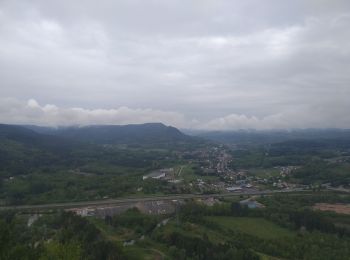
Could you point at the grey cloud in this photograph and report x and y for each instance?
(222, 64)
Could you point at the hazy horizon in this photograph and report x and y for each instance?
(207, 65)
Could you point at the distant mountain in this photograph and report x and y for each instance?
(22, 150)
(25, 149)
(118, 134)
(17, 133)
(275, 136)
(30, 138)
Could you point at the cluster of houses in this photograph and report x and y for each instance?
(281, 184)
(286, 170)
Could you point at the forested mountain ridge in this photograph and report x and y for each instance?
(322, 136)
(24, 149)
(39, 164)
(118, 134)
(29, 137)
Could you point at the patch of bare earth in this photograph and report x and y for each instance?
(338, 208)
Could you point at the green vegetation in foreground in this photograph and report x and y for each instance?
(258, 227)
(286, 228)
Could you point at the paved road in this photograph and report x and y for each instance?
(123, 201)
(180, 171)
(339, 189)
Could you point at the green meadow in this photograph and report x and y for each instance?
(258, 227)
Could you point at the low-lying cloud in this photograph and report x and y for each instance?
(13, 111)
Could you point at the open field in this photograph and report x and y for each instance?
(189, 175)
(338, 208)
(264, 173)
(253, 226)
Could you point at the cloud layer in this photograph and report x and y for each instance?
(13, 111)
(213, 64)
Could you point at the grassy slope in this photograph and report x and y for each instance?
(142, 249)
(253, 226)
(150, 249)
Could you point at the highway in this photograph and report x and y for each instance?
(123, 201)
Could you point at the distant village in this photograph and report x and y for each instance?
(215, 162)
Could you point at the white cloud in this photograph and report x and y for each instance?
(305, 117)
(13, 111)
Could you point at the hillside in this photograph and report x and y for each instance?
(32, 138)
(150, 133)
(276, 136)
(17, 133)
(23, 151)
(28, 149)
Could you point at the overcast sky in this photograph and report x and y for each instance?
(207, 64)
